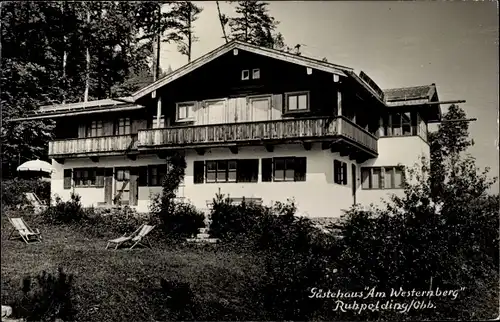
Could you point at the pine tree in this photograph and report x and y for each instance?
(185, 13)
(253, 24)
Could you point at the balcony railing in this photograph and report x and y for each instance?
(316, 128)
(104, 145)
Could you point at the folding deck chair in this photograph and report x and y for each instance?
(25, 232)
(38, 204)
(136, 237)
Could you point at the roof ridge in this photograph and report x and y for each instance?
(406, 87)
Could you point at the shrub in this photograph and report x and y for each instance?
(236, 223)
(174, 301)
(13, 190)
(180, 220)
(64, 212)
(46, 298)
(100, 222)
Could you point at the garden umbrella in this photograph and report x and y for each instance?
(36, 165)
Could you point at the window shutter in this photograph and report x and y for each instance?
(365, 178)
(344, 172)
(198, 169)
(267, 169)
(67, 178)
(143, 177)
(300, 169)
(336, 171)
(99, 177)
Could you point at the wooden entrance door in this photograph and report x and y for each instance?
(134, 188)
(108, 186)
(122, 187)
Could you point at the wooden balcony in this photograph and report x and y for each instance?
(304, 130)
(94, 146)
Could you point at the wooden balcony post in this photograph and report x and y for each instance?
(158, 112)
(339, 110)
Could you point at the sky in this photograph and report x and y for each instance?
(398, 44)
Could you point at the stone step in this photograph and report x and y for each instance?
(203, 236)
(203, 240)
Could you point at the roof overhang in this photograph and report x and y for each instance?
(272, 53)
(81, 108)
(76, 112)
(424, 98)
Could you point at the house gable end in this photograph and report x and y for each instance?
(240, 46)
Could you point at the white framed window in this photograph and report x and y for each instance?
(297, 102)
(95, 129)
(256, 73)
(391, 177)
(122, 126)
(245, 74)
(185, 111)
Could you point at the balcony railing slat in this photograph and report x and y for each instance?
(253, 131)
(119, 143)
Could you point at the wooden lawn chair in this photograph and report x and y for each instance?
(38, 205)
(25, 232)
(136, 237)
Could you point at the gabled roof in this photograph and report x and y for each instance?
(85, 105)
(425, 95)
(410, 93)
(235, 44)
(90, 107)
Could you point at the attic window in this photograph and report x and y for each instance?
(256, 73)
(245, 74)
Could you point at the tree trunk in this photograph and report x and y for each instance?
(65, 55)
(87, 54)
(190, 33)
(221, 21)
(158, 42)
(246, 24)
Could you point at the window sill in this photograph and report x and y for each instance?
(185, 120)
(296, 112)
(368, 189)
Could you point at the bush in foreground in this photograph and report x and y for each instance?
(179, 221)
(46, 297)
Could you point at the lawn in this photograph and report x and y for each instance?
(122, 285)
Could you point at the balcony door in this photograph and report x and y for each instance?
(260, 108)
(216, 111)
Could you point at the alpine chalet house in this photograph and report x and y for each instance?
(252, 122)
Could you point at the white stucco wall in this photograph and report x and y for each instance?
(92, 196)
(406, 150)
(318, 196)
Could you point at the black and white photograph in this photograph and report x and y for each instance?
(250, 160)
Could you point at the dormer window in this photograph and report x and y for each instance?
(185, 111)
(256, 73)
(245, 74)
